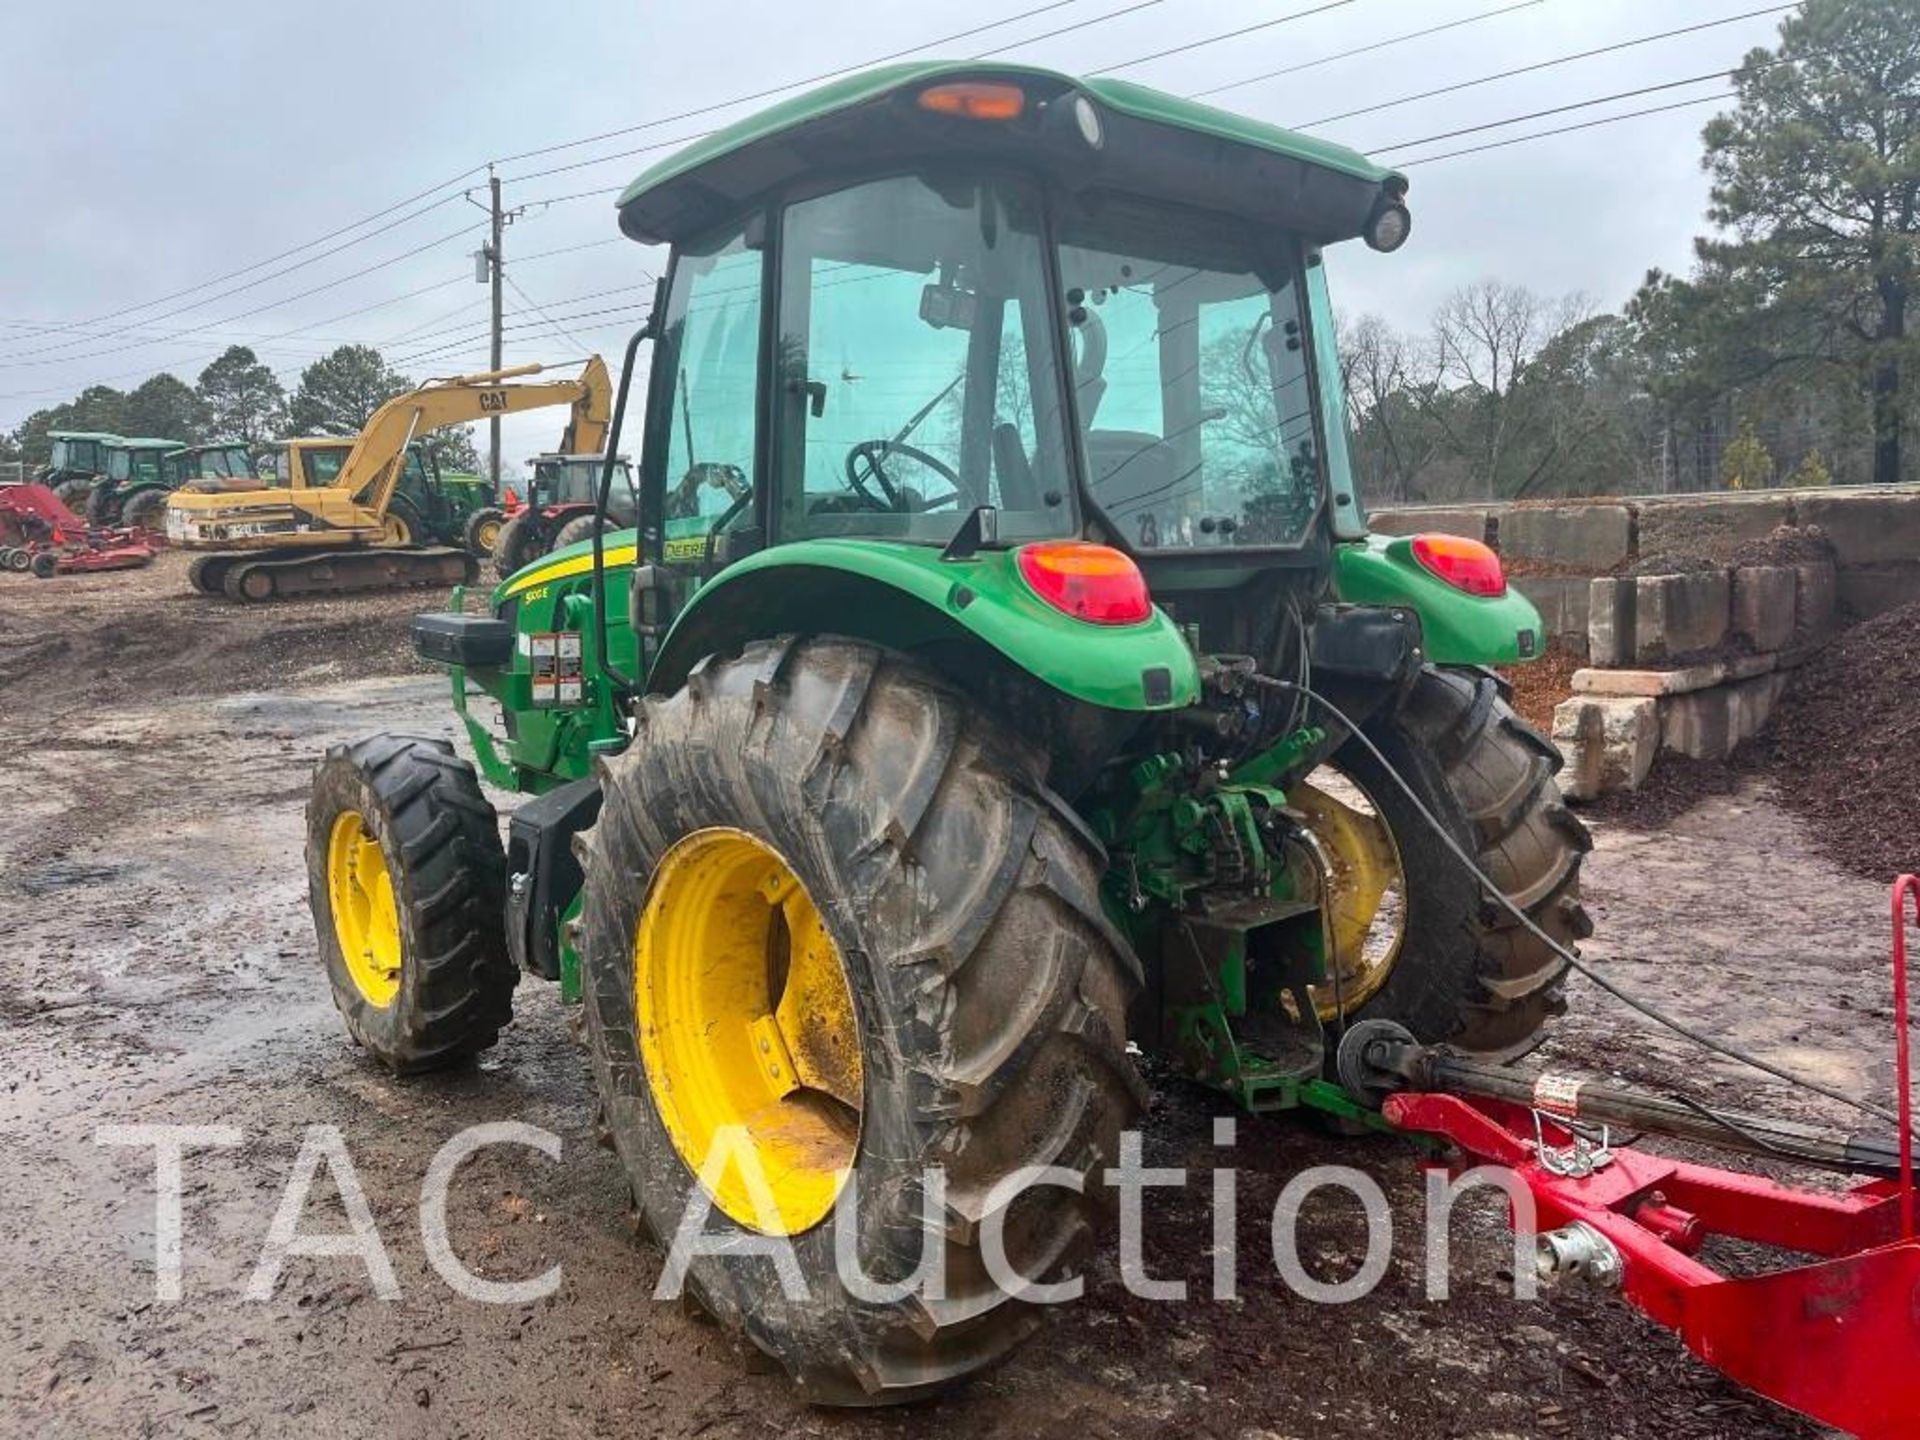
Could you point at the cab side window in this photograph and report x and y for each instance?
(711, 347)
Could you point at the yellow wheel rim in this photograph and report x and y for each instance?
(1369, 899)
(395, 531)
(366, 920)
(748, 1031)
(487, 535)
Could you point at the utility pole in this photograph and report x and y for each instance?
(490, 268)
(499, 226)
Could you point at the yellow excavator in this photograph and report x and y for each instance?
(354, 521)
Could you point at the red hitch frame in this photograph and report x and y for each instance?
(1837, 1339)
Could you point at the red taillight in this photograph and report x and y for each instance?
(975, 100)
(1464, 564)
(1089, 582)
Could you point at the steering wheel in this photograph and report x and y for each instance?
(874, 454)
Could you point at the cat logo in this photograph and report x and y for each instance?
(491, 400)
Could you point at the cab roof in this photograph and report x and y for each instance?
(102, 436)
(1153, 143)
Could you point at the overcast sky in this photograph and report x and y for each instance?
(145, 149)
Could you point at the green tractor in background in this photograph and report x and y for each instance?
(141, 474)
(75, 460)
(83, 462)
(1000, 671)
(429, 506)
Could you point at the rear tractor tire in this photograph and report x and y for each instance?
(826, 903)
(520, 542)
(402, 525)
(580, 528)
(1463, 970)
(148, 510)
(407, 881)
(76, 495)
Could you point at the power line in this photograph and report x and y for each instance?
(1216, 39)
(271, 259)
(1546, 65)
(1569, 129)
(779, 89)
(1555, 110)
(56, 327)
(555, 325)
(1365, 49)
(631, 151)
(465, 230)
(250, 285)
(267, 342)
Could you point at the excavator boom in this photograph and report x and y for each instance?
(337, 537)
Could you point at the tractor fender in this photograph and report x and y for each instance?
(909, 597)
(1458, 628)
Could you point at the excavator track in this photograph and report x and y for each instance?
(254, 579)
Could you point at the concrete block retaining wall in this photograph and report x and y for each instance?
(1558, 549)
(1691, 661)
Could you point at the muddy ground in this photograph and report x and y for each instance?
(158, 968)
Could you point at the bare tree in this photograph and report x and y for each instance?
(1377, 374)
(1486, 337)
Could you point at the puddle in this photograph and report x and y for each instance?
(57, 875)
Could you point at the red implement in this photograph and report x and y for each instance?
(36, 526)
(1836, 1337)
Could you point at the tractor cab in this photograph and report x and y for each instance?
(140, 473)
(569, 481)
(142, 461)
(423, 503)
(943, 305)
(232, 464)
(77, 453)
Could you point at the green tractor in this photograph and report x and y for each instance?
(83, 464)
(1001, 675)
(141, 475)
(429, 506)
(76, 459)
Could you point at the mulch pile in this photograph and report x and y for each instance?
(1677, 784)
(1844, 745)
(1541, 684)
(1693, 551)
(1842, 750)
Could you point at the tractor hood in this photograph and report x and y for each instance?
(1087, 134)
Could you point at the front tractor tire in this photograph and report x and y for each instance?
(829, 903)
(1466, 972)
(407, 880)
(482, 531)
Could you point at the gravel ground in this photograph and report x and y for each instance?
(160, 968)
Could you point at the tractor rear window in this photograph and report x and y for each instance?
(1191, 377)
(919, 381)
